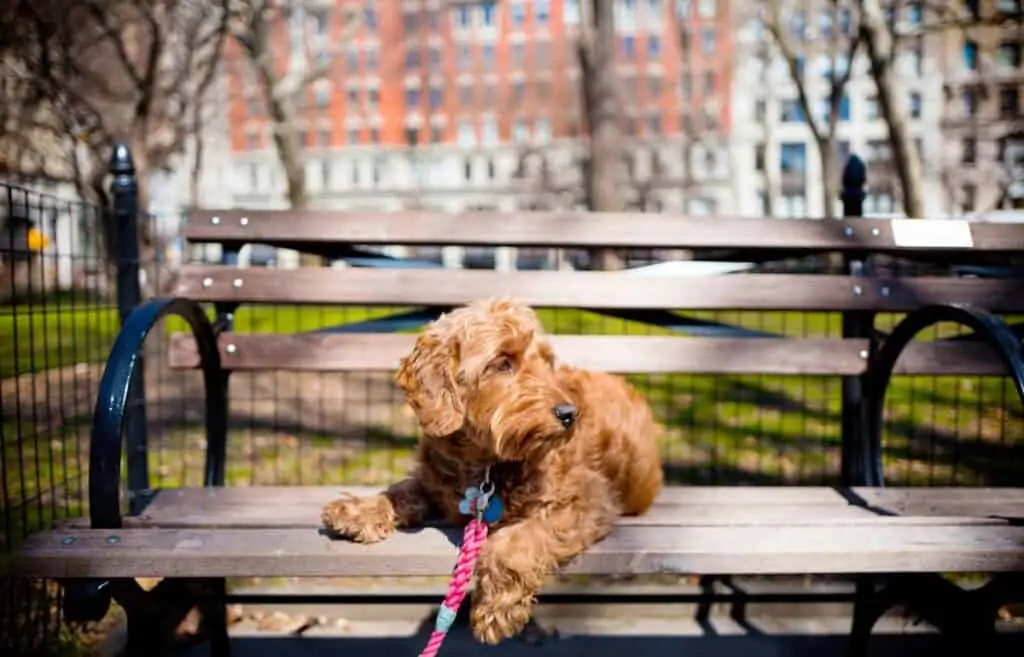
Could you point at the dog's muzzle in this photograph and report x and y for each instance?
(566, 414)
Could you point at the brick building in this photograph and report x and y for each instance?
(435, 106)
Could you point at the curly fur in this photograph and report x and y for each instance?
(483, 383)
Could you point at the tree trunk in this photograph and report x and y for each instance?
(826, 146)
(905, 157)
(604, 193)
(287, 141)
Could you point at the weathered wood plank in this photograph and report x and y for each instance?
(597, 289)
(677, 506)
(338, 352)
(759, 496)
(295, 229)
(889, 547)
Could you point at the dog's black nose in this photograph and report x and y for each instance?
(566, 414)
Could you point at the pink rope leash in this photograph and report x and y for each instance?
(472, 540)
(484, 509)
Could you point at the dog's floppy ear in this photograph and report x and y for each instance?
(427, 376)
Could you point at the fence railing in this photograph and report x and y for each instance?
(57, 321)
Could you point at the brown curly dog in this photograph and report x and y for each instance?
(569, 451)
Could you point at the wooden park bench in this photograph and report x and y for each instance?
(895, 541)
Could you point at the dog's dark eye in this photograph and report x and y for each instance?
(501, 365)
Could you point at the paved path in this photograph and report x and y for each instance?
(605, 637)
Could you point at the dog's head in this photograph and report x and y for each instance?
(485, 372)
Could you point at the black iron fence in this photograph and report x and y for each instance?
(57, 322)
(62, 299)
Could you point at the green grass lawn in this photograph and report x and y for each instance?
(720, 429)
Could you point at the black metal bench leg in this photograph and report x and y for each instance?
(215, 622)
(868, 608)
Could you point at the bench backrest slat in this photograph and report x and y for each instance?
(615, 353)
(610, 290)
(294, 229)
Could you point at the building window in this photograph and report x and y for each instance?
(1009, 7)
(518, 13)
(1009, 103)
(374, 136)
(793, 158)
(709, 82)
(412, 136)
(543, 131)
(708, 41)
(968, 150)
(706, 8)
(654, 125)
(627, 46)
(488, 14)
(490, 131)
(791, 112)
(871, 107)
(412, 98)
(970, 99)
(540, 12)
(798, 25)
(353, 136)
(968, 198)
(1009, 55)
(520, 132)
(653, 46)
(915, 105)
(759, 157)
(914, 13)
(842, 110)
(571, 12)
(323, 96)
(973, 9)
(466, 133)
(970, 55)
(436, 134)
(435, 97)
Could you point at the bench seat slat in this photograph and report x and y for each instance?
(836, 549)
(591, 289)
(334, 352)
(300, 507)
(699, 496)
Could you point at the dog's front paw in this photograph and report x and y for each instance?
(493, 620)
(361, 519)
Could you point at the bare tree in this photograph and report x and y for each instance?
(253, 27)
(95, 72)
(880, 45)
(823, 130)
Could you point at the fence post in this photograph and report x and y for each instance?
(856, 470)
(124, 192)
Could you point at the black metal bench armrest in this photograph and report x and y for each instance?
(986, 326)
(111, 405)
